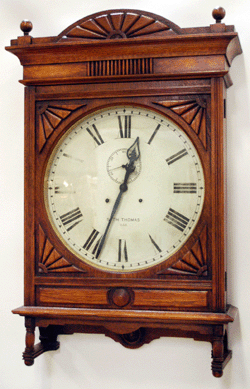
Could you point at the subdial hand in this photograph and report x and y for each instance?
(117, 167)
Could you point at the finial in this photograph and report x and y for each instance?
(218, 14)
(26, 26)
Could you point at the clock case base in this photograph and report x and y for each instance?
(122, 327)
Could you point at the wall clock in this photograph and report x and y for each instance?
(124, 181)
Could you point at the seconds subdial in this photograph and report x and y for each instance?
(116, 163)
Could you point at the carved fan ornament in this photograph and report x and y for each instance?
(119, 24)
(194, 262)
(50, 261)
(193, 112)
(49, 118)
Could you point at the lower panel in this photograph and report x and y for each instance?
(122, 297)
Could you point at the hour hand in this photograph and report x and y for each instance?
(133, 153)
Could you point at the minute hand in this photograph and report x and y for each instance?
(133, 154)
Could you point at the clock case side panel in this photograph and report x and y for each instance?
(218, 127)
(29, 197)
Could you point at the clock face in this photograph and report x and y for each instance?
(124, 188)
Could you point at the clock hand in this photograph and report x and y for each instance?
(133, 153)
(117, 167)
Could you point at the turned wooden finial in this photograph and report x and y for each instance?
(218, 14)
(26, 26)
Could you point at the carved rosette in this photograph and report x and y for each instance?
(193, 112)
(49, 118)
(194, 262)
(50, 261)
(119, 24)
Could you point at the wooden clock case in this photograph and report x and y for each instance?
(123, 57)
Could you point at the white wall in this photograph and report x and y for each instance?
(93, 361)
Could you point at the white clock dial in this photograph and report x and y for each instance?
(110, 226)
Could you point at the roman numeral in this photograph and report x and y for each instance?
(125, 128)
(95, 135)
(176, 219)
(176, 156)
(154, 133)
(185, 187)
(70, 219)
(122, 251)
(155, 244)
(92, 242)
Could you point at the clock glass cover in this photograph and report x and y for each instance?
(124, 188)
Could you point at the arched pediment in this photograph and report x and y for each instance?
(119, 24)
